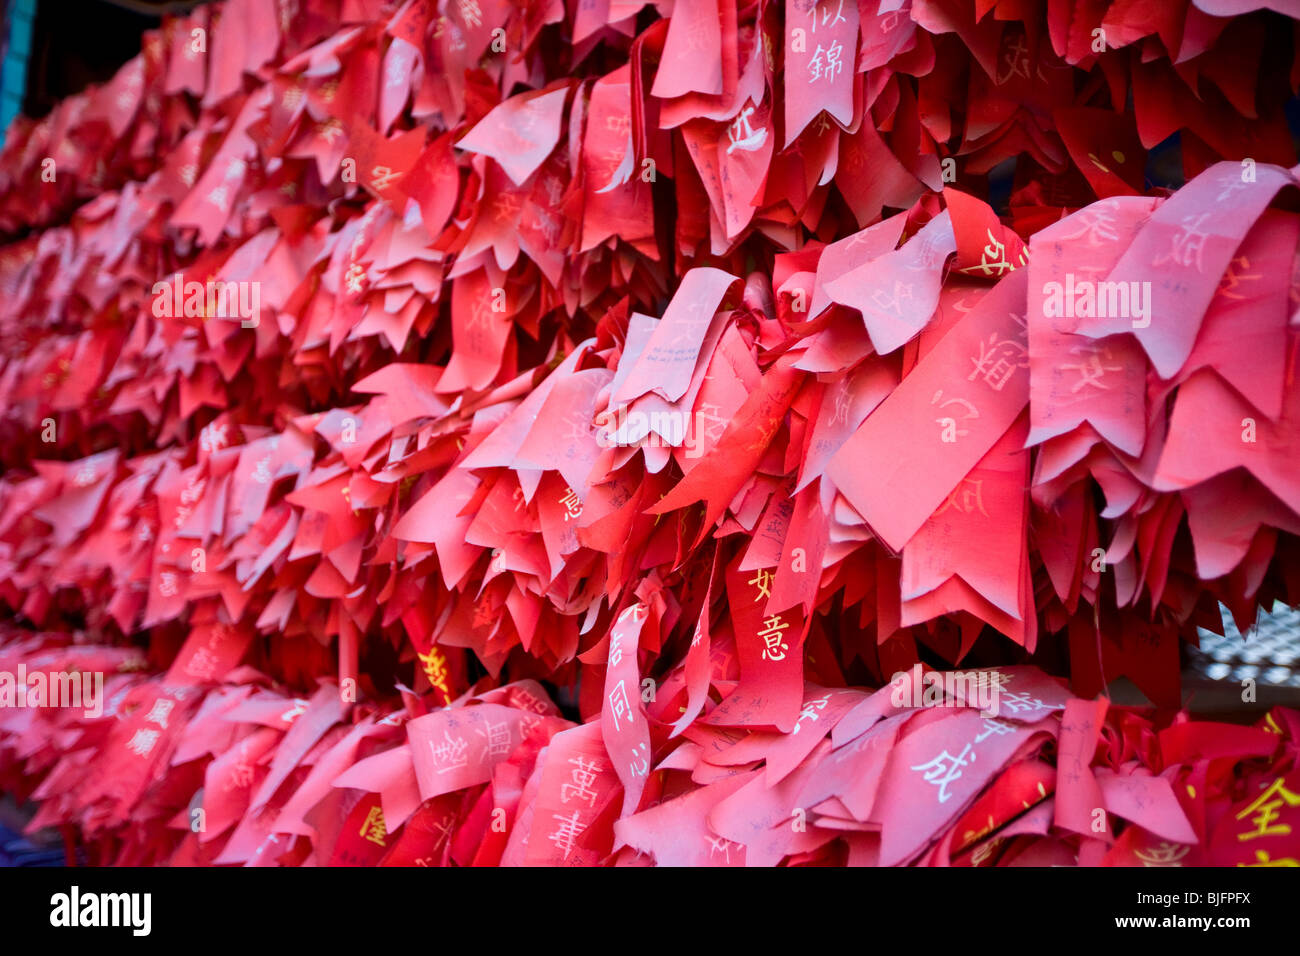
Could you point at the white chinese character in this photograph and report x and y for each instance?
(498, 739)
(832, 65)
(967, 497)
(262, 473)
(619, 706)
(1090, 367)
(810, 710)
(707, 417)
(470, 13)
(743, 136)
(297, 710)
(841, 410)
(943, 770)
(717, 844)
(1232, 185)
(636, 611)
(893, 303)
(143, 742)
(998, 361)
(450, 754)
(1165, 854)
(640, 764)
(826, 15)
(1096, 225)
(395, 72)
(202, 665)
(1020, 701)
(948, 425)
(994, 727)
(581, 779)
(213, 437)
(160, 711)
(1188, 243)
(567, 832)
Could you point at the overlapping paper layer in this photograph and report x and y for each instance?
(606, 407)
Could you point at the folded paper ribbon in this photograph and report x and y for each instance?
(351, 391)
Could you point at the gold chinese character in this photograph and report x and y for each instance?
(1265, 807)
(373, 829)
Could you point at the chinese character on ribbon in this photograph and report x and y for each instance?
(498, 739)
(1188, 243)
(619, 705)
(160, 711)
(943, 770)
(143, 742)
(810, 710)
(998, 361)
(1166, 854)
(581, 779)
(565, 835)
(1090, 368)
(1266, 809)
(572, 503)
(967, 497)
(772, 637)
(435, 669)
(450, 754)
(382, 177)
(374, 829)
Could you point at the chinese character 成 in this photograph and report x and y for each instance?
(943, 770)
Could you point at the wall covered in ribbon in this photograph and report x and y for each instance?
(461, 432)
